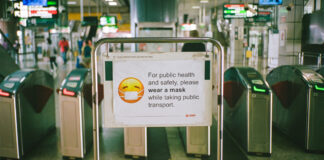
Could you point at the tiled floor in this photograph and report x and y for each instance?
(168, 145)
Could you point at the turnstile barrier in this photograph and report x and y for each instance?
(75, 114)
(298, 104)
(27, 111)
(248, 109)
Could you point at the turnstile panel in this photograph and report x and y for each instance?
(259, 128)
(135, 140)
(316, 119)
(8, 131)
(71, 129)
(197, 140)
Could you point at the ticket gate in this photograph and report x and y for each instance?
(76, 114)
(196, 140)
(298, 105)
(27, 111)
(248, 109)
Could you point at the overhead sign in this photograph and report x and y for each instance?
(263, 16)
(146, 94)
(270, 2)
(33, 22)
(35, 2)
(239, 11)
(108, 21)
(26, 10)
(90, 21)
(188, 27)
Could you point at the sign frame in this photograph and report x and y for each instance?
(218, 51)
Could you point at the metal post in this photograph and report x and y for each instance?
(22, 28)
(299, 58)
(97, 8)
(35, 46)
(94, 59)
(319, 60)
(81, 10)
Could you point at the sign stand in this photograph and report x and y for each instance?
(218, 51)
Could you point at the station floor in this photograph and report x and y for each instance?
(166, 143)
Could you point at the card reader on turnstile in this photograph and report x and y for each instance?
(298, 105)
(248, 109)
(76, 114)
(27, 111)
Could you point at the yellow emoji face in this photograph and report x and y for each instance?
(131, 90)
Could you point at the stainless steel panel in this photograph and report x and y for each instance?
(316, 121)
(236, 119)
(87, 125)
(198, 140)
(259, 124)
(71, 127)
(8, 129)
(299, 115)
(135, 140)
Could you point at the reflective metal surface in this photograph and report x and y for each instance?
(297, 110)
(76, 115)
(248, 109)
(32, 100)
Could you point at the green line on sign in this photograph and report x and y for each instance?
(207, 70)
(258, 89)
(319, 88)
(109, 70)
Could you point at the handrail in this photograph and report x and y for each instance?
(10, 45)
(7, 40)
(94, 59)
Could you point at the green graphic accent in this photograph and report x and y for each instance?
(51, 3)
(109, 70)
(258, 89)
(319, 88)
(207, 70)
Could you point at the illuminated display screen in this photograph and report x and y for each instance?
(239, 11)
(270, 2)
(33, 9)
(35, 2)
(188, 27)
(108, 20)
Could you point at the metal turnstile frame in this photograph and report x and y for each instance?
(246, 97)
(220, 61)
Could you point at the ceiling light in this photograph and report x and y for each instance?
(204, 1)
(71, 2)
(113, 3)
(195, 7)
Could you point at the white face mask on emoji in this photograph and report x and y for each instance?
(131, 95)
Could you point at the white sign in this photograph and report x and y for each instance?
(160, 89)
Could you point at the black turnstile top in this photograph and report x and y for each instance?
(249, 77)
(292, 72)
(73, 82)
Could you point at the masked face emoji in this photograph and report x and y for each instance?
(131, 90)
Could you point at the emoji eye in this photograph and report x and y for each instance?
(137, 87)
(125, 87)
